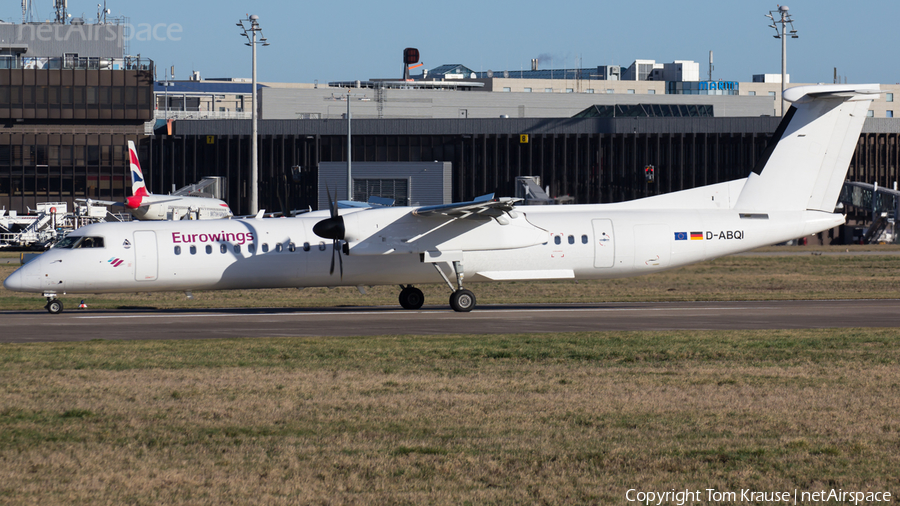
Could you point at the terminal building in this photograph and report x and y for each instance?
(70, 99)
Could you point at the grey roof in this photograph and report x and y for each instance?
(485, 126)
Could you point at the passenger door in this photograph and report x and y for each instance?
(604, 245)
(146, 259)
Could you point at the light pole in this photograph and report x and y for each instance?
(249, 31)
(349, 151)
(349, 148)
(167, 84)
(784, 19)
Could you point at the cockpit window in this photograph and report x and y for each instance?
(68, 242)
(73, 242)
(91, 242)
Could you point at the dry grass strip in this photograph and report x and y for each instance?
(550, 419)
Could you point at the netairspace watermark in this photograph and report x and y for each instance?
(711, 495)
(143, 32)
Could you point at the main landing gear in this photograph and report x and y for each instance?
(411, 297)
(461, 300)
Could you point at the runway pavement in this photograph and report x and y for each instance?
(75, 325)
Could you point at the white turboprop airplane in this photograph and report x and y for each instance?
(792, 193)
(144, 205)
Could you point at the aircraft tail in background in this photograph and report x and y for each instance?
(138, 189)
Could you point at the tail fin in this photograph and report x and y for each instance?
(138, 190)
(805, 164)
(137, 177)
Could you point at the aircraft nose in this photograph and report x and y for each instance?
(14, 281)
(25, 278)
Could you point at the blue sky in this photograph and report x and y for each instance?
(330, 41)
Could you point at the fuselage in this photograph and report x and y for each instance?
(169, 207)
(541, 242)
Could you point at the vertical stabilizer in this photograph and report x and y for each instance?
(138, 190)
(137, 177)
(806, 162)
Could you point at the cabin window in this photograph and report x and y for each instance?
(177, 250)
(265, 248)
(251, 248)
(193, 250)
(306, 246)
(321, 246)
(279, 247)
(584, 239)
(557, 240)
(223, 248)
(292, 247)
(237, 249)
(571, 239)
(208, 249)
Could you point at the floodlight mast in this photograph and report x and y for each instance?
(784, 19)
(349, 152)
(349, 143)
(249, 31)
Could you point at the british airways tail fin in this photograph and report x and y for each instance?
(137, 177)
(138, 190)
(805, 164)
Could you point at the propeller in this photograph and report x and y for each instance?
(332, 228)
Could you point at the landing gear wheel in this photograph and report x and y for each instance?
(411, 298)
(462, 301)
(54, 306)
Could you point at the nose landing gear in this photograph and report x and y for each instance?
(54, 305)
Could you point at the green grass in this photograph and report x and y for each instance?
(497, 419)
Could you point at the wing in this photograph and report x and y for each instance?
(100, 202)
(482, 207)
(482, 224)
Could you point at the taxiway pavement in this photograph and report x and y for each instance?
(75, 325)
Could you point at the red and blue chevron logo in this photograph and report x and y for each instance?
(115, 261)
